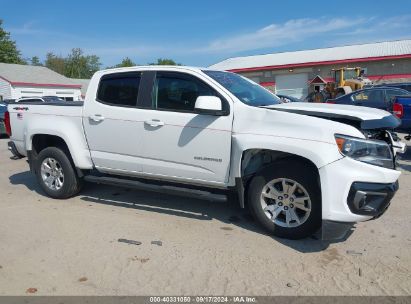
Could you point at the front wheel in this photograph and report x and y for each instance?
(56, 174)
(286, 200)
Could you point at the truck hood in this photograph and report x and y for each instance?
(360, 117)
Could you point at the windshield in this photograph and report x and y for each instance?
(350, 74)
(244, 89)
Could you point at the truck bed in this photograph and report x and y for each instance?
(27, 119)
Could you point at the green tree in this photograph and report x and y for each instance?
(164, 61)
(55, 63)
(93, 63)
(126, 62)
(75, 64)
(8, 49)
(35, 61)
(78, 65)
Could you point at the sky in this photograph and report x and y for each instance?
(197, 33)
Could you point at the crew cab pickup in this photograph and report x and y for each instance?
(298, 167)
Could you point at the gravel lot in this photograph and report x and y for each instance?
(52, 247)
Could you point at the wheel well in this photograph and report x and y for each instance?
(254, 160)
(42, 141)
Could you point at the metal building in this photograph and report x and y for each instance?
(295, 73)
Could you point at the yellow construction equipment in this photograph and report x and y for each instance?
(345, 81)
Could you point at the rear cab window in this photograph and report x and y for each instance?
(119, 89)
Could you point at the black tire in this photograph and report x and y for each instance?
(71, 183)
(303, 175)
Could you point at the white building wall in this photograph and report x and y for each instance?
(22, 91)
(5, 90)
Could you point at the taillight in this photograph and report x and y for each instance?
(398, 110)
(7, 123)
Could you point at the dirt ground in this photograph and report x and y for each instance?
(52, 247)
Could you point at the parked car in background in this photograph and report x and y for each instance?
(402, 109)
(3, 109)
(37, 99)
(287, 98)
(402, 85)
(376, 97)
(26, 100)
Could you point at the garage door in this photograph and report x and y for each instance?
(295, 85)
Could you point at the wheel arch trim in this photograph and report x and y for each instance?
(80, 155)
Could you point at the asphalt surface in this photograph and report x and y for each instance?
(178, 246)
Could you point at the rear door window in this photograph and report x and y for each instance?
(371, 98)
(391, 93)
(408, 88)
(120, 89)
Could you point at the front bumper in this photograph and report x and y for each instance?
(349, 190)
(371, 199)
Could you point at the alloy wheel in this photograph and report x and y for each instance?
(52, 173)
(286, 202)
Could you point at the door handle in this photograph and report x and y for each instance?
(97, 117)
(154, 123)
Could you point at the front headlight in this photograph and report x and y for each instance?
(375, 152)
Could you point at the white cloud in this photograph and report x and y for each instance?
(378, 29)
(275, 35)
(26, 29)
(270, 36)
(397, 22)
(315, 32)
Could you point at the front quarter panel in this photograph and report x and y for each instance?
(311, 138)
(302, 135)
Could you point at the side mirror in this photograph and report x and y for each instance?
(211, 105)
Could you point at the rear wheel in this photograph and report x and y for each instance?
(286, 201)
(56, 174)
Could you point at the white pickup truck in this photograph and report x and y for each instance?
(298, 167)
